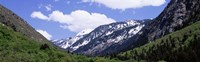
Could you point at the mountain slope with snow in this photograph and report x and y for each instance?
(103, 37)
(106, 36)
(66, 43)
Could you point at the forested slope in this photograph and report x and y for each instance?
(179, 46)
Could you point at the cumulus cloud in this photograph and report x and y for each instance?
(39, 15)
(45, 34)
(78, 20)
(127, 4)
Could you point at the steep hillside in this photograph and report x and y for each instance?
(16, 48)
(177, 15)
(180, 46)
(13, 21)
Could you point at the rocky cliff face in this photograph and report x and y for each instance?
(177, 15)
(10, 19)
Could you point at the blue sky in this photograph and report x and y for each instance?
(57, 19)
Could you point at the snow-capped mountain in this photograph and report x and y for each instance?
(84, 32)
(105, 36)
(65, 43)
(93, 42)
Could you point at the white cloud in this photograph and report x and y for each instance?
(127, 4)
(79, 20)
(39, 15)
(48, 7)
(45, 34)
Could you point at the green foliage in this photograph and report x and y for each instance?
(180, 46)
(15, 47)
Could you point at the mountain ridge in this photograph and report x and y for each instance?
(106, 31)
(12, 20)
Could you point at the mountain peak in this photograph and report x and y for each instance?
(104, 35)
(84, 32)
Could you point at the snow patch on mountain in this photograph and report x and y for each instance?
(65, 43)
(136, 30)
(110, 32)
(79, 45)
